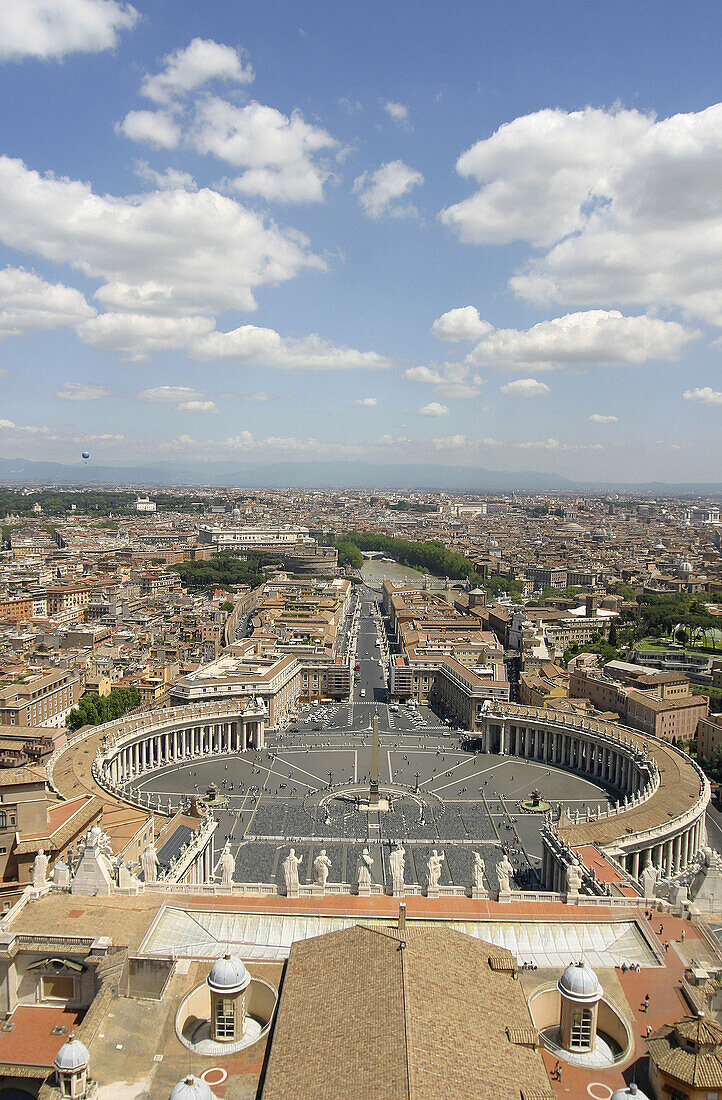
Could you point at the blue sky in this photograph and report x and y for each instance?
(460, 234)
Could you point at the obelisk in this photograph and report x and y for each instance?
(374, 788)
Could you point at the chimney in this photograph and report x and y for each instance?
(402, 916)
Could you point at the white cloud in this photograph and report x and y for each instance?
(704, 395)
(276, 150)
(170, 395)
(379, 192)
(80, 391)
(525, 387)
(549, 444)
(597, 336)
(389, 441)
(629, 208)
(156, 128)
(552, 444)
(53, 28)
(397, 111)
(264, 347)
(197, 406)
(599, 418)
(463, 323)
(450, 443)
(28, 302)
(188, 69)
(184, 398)
(170, 180)
(365, 403)
(167, 252)
(137, 336)
(433, 409)
(452, 379)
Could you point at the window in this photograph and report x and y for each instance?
(581, 1036)
(225, 1018)
(3, 820)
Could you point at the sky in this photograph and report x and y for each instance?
(462, 234)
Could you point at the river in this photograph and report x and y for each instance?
(375, 572)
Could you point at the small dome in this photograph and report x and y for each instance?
(630, 1090)
(580, 983)
(228, 975)
(192, 1088)
(72, 1055)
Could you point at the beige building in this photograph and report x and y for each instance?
(39, 698)
(446, 659)
(709, 738)
(659, 703)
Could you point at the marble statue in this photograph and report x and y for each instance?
(228, 865)
(363, 868)
(648, 879)
(149, 863)
(40, 868)
(397, 861)
(477, 871)
(321, 868)
(290, 872)
(504, 872)
(573, 878)
(433, 870)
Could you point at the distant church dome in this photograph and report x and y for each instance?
(580, 983)
(228, 975)
(192, 1088)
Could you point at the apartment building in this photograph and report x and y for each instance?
(652, 704)
(538, 686)
(39, 698)
(709, 738)
(446, 659)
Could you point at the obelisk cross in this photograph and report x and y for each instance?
(374, 789)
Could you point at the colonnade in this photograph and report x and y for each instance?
(671, 855)
(174, 744)
(614, 759)
(615, 763)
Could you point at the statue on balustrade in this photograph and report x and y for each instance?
(363, 868)
(149, 863)
(290, 872)
(433, 870)
(321, 868)
(40, 870)
(648, 878)
(397, 862)
(478, 868)
(504, 873)
(228, 865)
(573, 877)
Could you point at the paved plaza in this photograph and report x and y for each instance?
(295, 792)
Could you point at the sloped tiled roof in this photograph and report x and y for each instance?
(382, 1013)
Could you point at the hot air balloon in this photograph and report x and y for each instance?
(86, 455)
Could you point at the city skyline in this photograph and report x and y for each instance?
(362, 235)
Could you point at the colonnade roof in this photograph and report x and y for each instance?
(678, 790)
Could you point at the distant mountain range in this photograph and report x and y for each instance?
(313, 475)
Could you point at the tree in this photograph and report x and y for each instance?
(613, 633)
